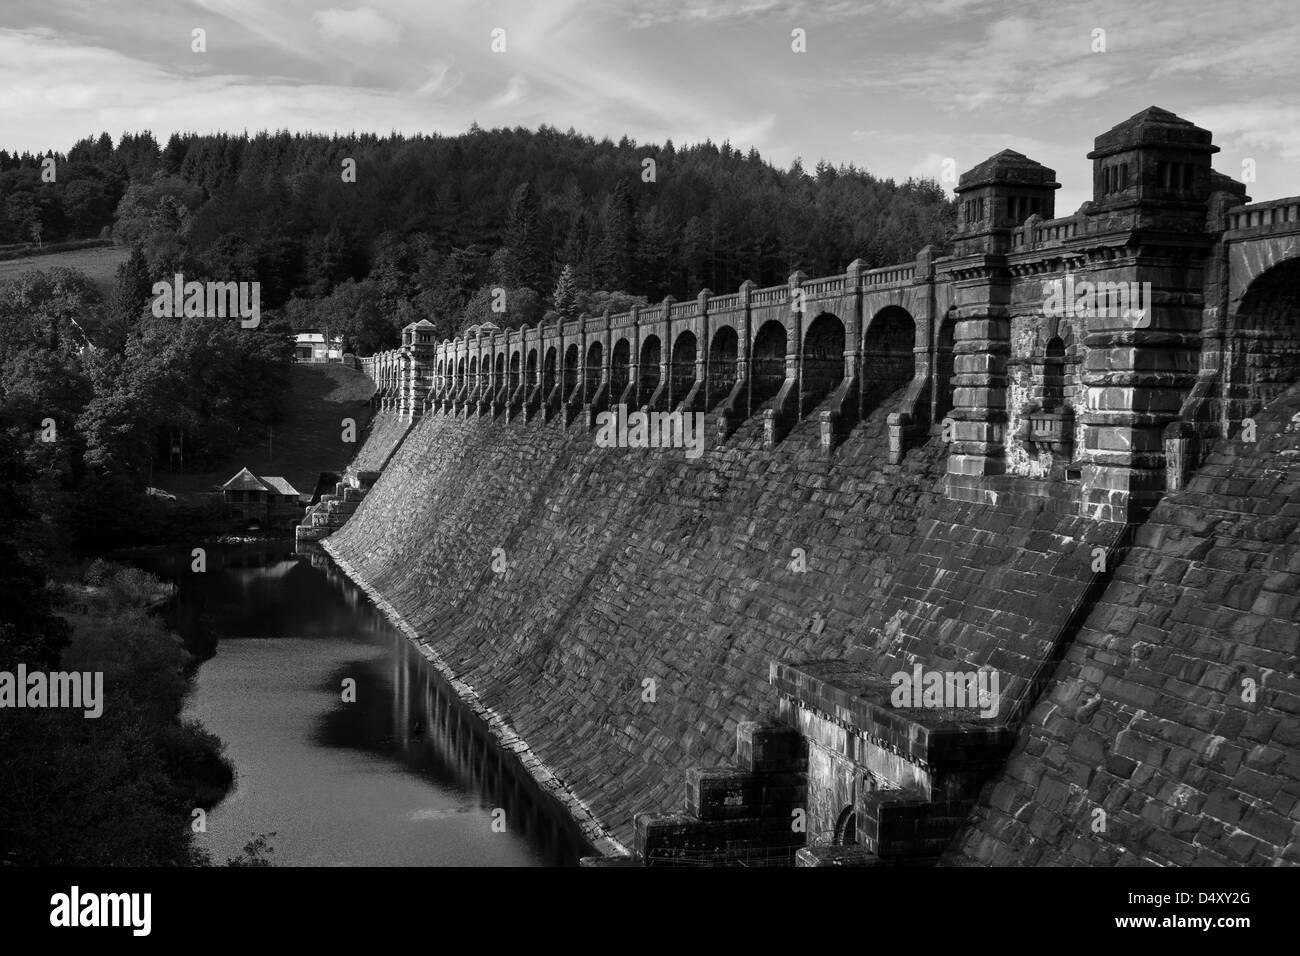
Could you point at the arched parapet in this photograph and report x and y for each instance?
(470, 406)
(894, 355)
(647, 370)
(532, 377)
(736, 312)
(688, 368)
(479, 342)
(621, 368)
(782, 414)
(683, 384)
(461, 394)
(596, 369)
(655, 329)
(572, 373)
(722, 369)
(1255, 354)
(552, 380)
(822, 377)
(500, 388)
(624, 327)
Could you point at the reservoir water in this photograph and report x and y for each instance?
(403, 775)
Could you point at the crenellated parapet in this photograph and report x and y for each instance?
(1087, 357)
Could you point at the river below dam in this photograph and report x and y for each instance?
(403, 775)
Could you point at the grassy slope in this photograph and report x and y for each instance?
(308, 440)
(99, 264)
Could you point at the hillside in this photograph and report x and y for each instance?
(308, 440)
(99, 265)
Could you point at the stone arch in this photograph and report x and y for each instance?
(888, 356)
(530, 369)
(620, 361)
(548, 372)
(944, 368)
(846, 827)
(595, 352)
(500, 368)
(512, 382)
(823, 359)
(571, 358)
(1263, 347)
(473, 372)
(767, 363)
(723, 354)
(648, 375)
(460, 373)
(681, 370)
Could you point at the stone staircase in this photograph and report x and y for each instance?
(329, 514)
(749, 814)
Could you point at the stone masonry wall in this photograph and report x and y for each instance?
(386, 430)
(1177, 709)
(624, 566)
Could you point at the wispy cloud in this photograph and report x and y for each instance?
(362, 25)
(890, 85)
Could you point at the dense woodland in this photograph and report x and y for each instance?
(432, 223)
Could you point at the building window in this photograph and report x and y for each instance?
(1054, 376)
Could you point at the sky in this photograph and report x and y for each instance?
(894, 86)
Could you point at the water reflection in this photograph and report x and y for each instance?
(405, 775)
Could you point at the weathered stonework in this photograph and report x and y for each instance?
(965, 476)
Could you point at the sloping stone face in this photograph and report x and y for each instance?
(1177, 709)
(618, 567)
(623, 566)
(386, 431)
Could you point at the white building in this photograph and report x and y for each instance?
(312, 347)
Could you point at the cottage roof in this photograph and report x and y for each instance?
(280, 485)
(245, 480)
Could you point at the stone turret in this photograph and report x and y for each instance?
(1155, 167)
(998, 195)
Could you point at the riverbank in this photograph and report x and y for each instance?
(593, 830)
(121, 788)
(349, 746)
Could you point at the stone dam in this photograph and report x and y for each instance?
(922, 469)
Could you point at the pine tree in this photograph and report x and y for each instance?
(523, 236)
(565, 298)
(618, 247)
(131, 292)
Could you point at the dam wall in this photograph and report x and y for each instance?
(1170, 734)
(1048, 515)
(559, 589)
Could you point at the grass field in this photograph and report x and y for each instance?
(307, 442)
(99, 264)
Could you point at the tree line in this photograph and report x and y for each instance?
(360, 234)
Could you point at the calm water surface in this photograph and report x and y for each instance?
(404, 776)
